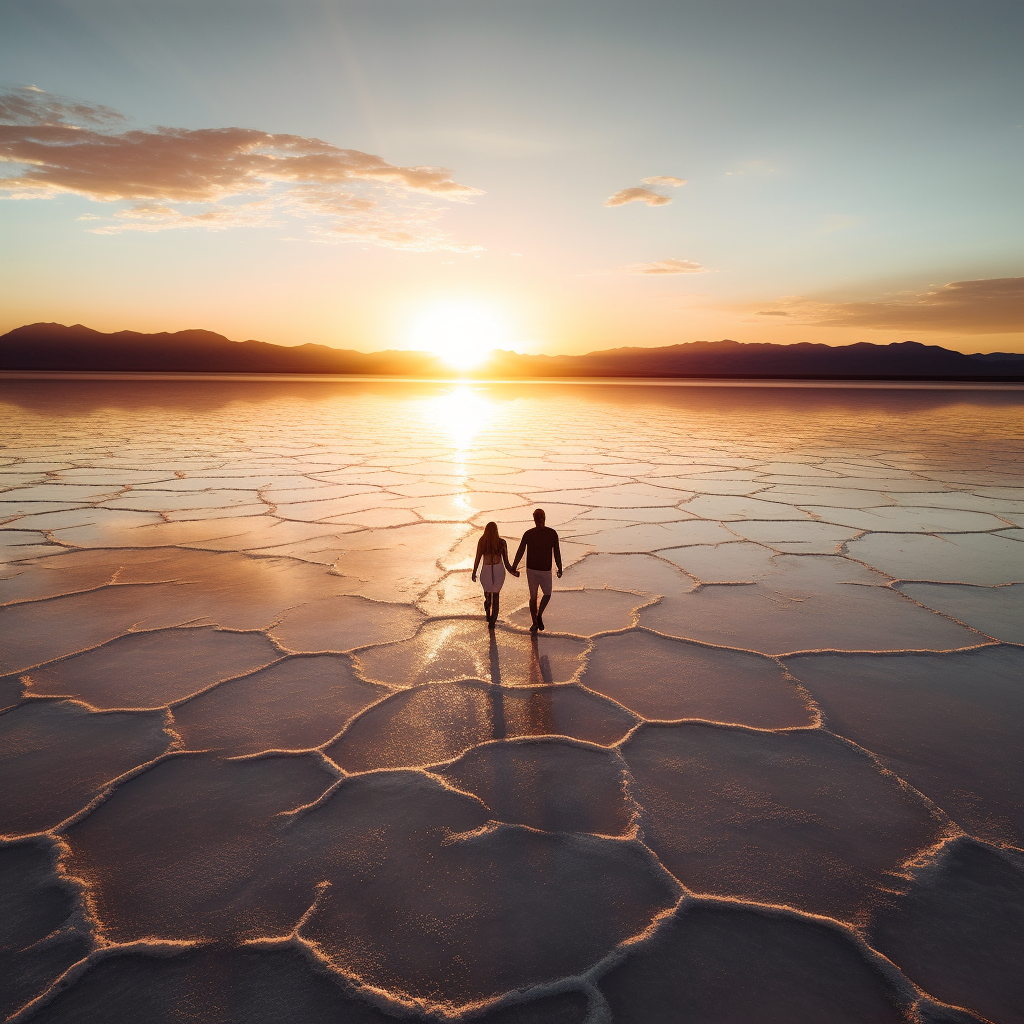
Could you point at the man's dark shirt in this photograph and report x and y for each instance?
(540, 543)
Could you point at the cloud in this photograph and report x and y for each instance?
(156, 217)
(989, 306)
(32, 105)
(216, 178)
(664, 179)
(670, 266)
(637, 194)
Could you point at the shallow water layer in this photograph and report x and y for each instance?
(262, 761)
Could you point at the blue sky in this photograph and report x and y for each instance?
(844, 166)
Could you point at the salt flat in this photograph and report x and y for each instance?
(258, 749)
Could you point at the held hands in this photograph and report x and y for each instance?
(516, 573)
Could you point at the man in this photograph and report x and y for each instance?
(540, 544)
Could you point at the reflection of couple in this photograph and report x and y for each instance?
(540, 545)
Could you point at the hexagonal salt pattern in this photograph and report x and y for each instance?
(263, 760)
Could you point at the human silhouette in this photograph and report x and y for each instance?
(494, 553)
(540, 544)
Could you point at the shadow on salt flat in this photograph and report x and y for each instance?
(56, 757)
(294, 704)
(951, 725)
(661, 678)
(433, 723)
(793, 818)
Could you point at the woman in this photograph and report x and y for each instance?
(494, 553)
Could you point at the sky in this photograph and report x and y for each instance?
(553, 176)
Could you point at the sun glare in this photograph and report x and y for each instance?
(462, 414)
(460, 333)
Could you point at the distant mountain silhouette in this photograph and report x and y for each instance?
(56, 347)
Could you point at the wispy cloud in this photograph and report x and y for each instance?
(664, 179)
(670, 266)
(639, 194)
(988, 306)
(216, 178)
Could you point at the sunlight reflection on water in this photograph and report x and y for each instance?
(462, 414)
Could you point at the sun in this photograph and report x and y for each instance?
(461, 333)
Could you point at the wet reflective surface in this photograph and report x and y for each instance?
(262, 761)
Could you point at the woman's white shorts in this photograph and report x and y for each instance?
(492, 577)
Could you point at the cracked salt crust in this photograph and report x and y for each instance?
(255, 729)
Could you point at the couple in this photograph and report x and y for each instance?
(540, 544)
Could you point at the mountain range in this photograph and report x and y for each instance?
(54, 347)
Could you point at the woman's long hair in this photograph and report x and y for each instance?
(490, 542)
